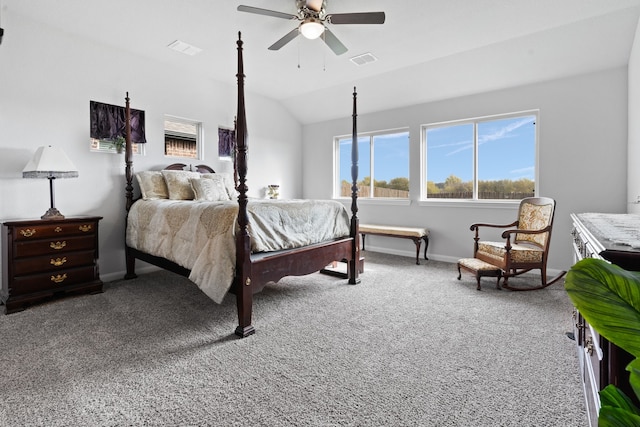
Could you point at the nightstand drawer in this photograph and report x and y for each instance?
(54, 262)
(50, 281)
(32, 232)
(54, 246)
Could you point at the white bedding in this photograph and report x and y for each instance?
(200, 235)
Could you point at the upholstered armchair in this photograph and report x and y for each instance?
(526, 242)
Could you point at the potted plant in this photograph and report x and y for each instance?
(119, 143)
(608, 297)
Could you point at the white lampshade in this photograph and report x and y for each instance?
(49, 162)
(311, 28)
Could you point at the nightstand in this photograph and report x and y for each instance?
(46, 258)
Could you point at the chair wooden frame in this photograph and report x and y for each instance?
(514, 235)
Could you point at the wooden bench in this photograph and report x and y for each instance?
(416, 234)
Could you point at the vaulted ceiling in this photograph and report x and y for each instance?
(426, 50)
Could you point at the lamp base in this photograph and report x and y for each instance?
(52, 213)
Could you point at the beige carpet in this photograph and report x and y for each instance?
(409, 346)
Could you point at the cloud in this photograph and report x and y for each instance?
(504, 131)
(523, 171)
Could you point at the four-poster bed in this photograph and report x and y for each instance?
(253, 268)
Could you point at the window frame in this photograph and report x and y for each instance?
(475, 201)
(199, 136)
(108, 146)
(337, 183)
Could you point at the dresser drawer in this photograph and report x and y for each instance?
(51, 281)
(54, 246)
(44, 231)
(53, 263)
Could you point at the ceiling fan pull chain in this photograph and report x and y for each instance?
(298, 54)
(324, 55)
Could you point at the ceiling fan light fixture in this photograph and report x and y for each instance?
(311, 28)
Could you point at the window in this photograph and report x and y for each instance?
(486, 158)
(107, 128)
(383, 165)
(182, 138)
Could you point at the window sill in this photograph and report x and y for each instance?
(482, 204)
(378, 201)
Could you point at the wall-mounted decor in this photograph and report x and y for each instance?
(107, 122)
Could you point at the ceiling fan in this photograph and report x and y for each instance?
(313, 18)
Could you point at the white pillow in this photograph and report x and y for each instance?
(210, 190)
(152, 185)
(179, 185)
(229, 184)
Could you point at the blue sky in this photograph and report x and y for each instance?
(391, 157)
(507, 151)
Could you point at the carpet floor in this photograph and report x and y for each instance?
(409, 346)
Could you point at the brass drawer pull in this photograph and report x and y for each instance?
(58, 245)
(57, 229)
(59, 278)
(588, 345)
(85, 227)
(28, 232)
(58, 262)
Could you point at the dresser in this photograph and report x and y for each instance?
(615, 238)
(47, 258)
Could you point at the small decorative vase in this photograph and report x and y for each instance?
(273, 191)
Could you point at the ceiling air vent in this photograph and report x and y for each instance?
(363, 59)
(185, 48)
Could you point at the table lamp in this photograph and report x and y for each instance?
(51, 163)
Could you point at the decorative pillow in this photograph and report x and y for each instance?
(179, 185)
(152, 185)
(229, 184)
(211, 190)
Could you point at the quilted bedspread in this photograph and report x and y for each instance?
(200, 236)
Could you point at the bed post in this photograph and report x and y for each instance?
(128, 160)
(242, 281)
(355, 222)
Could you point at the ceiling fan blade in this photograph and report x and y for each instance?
(286, 39)
(267, 12)
(332, 41)
(357, 18)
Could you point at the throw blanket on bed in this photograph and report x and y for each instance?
(200, 235)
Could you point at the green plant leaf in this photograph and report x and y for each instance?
(634, 375)
(617, 417)
(608, 297)
(613, 397)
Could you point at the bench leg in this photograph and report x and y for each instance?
(418, 243)
(363, 236)
(426, 245)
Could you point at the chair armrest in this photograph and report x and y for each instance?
(507, 233)
(477, 226)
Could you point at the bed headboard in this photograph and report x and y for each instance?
(196, 168)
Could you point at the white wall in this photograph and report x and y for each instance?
(582, 157)
(47, 79)
(633, 177)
